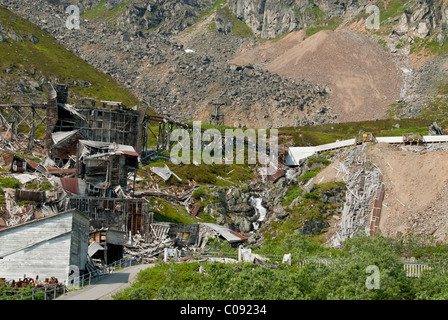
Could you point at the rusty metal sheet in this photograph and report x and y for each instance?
(52, 170)
(195, 210)
(277, 175)
(70, 184)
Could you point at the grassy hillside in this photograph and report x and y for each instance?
(327, 133)
(49, 60)
(343, 278)
(102, 13)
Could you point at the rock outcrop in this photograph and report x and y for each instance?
(143, 44)
(183, 84)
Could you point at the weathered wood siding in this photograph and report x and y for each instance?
(116, 237)
(43, 247)
(80, 241)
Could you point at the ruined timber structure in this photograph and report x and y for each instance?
(93, 152)
(111, 122)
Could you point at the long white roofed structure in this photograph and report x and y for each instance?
(296, 154)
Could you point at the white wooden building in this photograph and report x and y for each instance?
(46, 247)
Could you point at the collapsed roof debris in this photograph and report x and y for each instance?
(216, 230)
(165, 173)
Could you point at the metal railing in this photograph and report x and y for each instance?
(49, 292)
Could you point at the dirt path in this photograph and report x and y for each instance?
(105, 288)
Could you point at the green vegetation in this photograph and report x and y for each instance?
(310, 207)
(8, 292)
(343, 278)
(102, 13)
(330, 24)
(383, 43)
(437, 106)
(310, 174)
(314, 160)
(50, 60)
(391, 9)
(166, 212)
(428, 46)
(200, 192)
(207, 12)
(327, 133)
(315, 12)
(33, 185)
(292, 193)
(239, 28)
(6, 182)
(205, 174)
(45, 186)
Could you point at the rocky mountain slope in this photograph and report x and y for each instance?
(31, 59)
(180, 57)
(351, 64)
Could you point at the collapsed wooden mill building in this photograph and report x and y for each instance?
(92, 151)
(105, 142)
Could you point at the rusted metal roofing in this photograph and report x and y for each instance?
(130, 153)
(52, 170)
(32, 164)
(239, 235)
(70, 184)
(195, 210)
(277, 175)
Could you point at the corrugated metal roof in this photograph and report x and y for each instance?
(94, 247)
(227, 233)
(32, 164)
(70, 184)
(163, 172)
(61, 135)
(277, 175)
(107, 146)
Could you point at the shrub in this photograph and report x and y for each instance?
(7, 182)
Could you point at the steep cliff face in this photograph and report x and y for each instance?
(422, 19)
(143, 44)
(426, 18)
(271, 18)
(266, 18)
